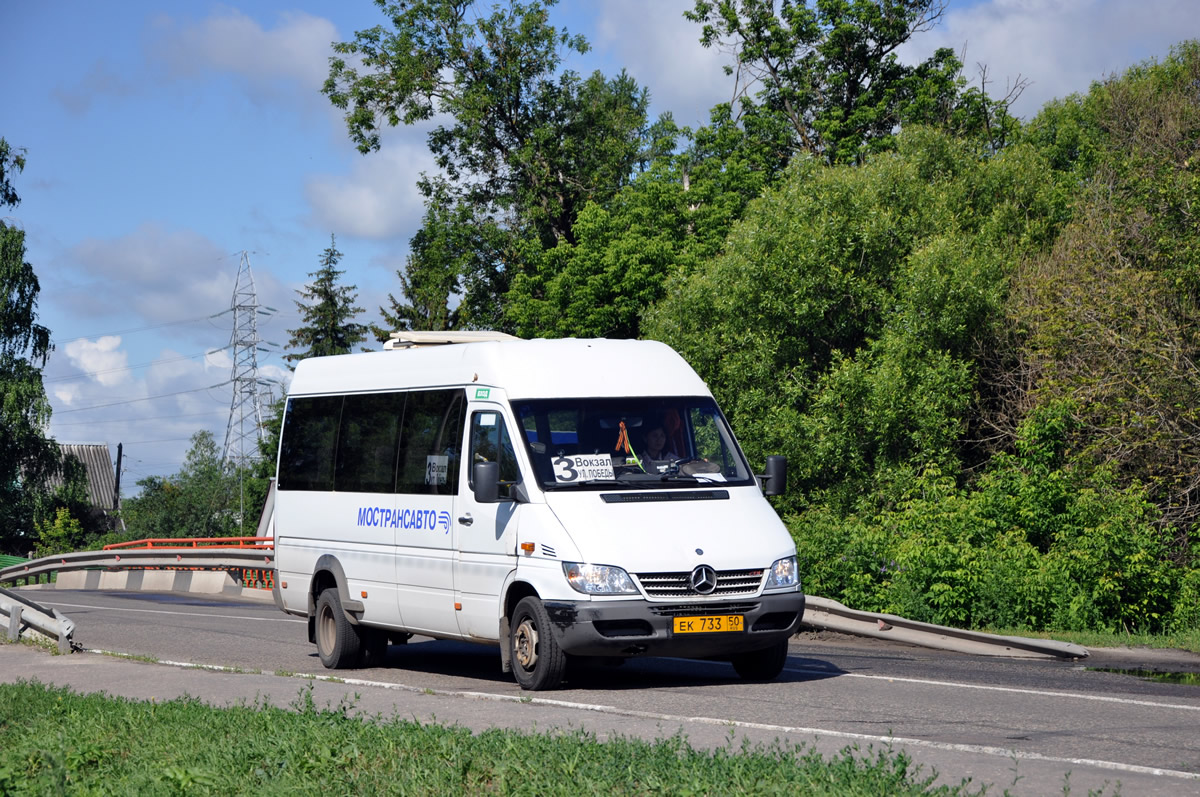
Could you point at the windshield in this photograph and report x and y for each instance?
(634, 442)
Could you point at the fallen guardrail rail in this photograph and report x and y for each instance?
(830, 615)
(21, 611)
(199, 557)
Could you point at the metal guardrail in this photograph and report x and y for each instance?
(833, 616)
(202, 558)
(255, 557)
(259, 543)
(21, 611)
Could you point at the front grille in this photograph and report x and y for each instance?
(687, 609)
(678, 585)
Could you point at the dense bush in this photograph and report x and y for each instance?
(981, 363)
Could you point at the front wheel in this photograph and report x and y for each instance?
(338, 642)
(762, 665)
(537, 660)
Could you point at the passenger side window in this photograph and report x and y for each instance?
(306, 449)
(490, 443)
(431, 441)
(367, 443)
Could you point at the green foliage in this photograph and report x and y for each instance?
(839, 325)
(830, 78)
(1107, 319)
(328, 313)
(1031, 546)
(71, 496)
(199, 501)
(527, 144)
(53, 742)
(60, 535)
(256, 480)
(671, 217)
(28, 459)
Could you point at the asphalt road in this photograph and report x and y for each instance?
(1028, 726)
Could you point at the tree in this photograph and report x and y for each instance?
(199, 501)
(1107, 321)
(829, 80)
(27, 457)
(441, 254)
(838, 324)
(674, 214)
(328, 315)
(527, 147)
(257, 478)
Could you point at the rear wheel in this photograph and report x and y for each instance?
(762, 665)
(537, 660)
(338, 642)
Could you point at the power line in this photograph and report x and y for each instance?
(142, 329)
(133, 367)
(141, 418)
(144, 398)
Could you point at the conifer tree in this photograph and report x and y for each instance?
(328, 312)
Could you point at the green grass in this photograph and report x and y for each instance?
(1183, 640)
(53, 741)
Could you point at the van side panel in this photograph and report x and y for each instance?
(351, 528)
(424, 537)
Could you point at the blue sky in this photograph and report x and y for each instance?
(163, 139)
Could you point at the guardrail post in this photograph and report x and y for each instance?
(14, 624)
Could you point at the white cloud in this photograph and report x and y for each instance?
(378, 199)
(67, 394)
(153, 275)
(218, 360)
(662, 51)
(1061, 47)
(102, 359)
(101, 79)
(292, 55)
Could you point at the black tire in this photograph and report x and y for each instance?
(338, 642)
(537, 661)
(762, 665)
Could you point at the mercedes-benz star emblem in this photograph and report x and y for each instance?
(704, 580)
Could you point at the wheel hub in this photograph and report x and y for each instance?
(325, 630)
(526, 640)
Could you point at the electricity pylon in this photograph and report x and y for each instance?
(245, 427)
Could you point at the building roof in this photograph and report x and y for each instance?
(101, 478)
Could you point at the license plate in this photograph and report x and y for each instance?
(708, 625)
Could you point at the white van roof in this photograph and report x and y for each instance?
(568, 367)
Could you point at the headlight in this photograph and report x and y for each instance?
(598, 579)
(783, 573)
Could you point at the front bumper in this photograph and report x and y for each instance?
(644, 628)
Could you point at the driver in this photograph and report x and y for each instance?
(656, 446)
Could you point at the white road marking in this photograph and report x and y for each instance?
(985, 687)
(1007, 753)
(179, 614)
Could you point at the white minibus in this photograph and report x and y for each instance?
(558, 498)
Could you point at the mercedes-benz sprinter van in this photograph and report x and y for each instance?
(557, 498)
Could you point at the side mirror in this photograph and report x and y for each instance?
(775, 479)
(486, 476)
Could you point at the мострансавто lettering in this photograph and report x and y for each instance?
(415, 519)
